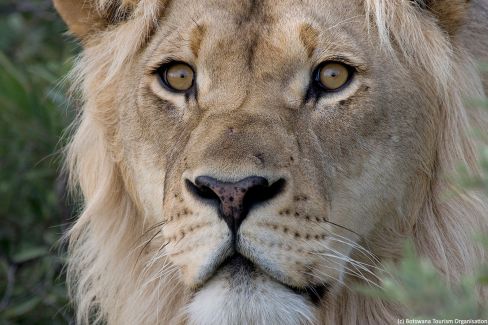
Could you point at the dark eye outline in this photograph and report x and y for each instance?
(162, 73)
(319, 85)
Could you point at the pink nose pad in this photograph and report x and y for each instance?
(235, 199)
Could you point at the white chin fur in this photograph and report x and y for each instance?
(255, 300)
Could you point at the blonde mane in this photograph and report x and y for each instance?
(108, 284)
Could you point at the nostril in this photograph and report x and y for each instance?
(235, 199)
(259, 194)
(201, 191)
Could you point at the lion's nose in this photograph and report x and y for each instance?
(235, 199)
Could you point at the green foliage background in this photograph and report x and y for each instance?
(34, 111)
(33, 115)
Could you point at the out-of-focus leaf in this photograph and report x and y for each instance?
(29, 254)
(22, 308)
(483, 66)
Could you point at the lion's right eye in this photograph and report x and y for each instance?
(333, 76)
(177, 76)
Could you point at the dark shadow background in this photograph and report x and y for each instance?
(34, 57)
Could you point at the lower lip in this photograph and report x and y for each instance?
(238, 265)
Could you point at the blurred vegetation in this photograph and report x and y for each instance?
(33, 115)
(416, 284)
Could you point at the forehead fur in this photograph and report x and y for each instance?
(417, 38)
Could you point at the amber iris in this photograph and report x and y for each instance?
(178, 77)
(333, 76)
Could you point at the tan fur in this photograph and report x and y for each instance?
(309, 36)
(373, 158)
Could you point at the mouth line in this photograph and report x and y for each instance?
(238, 263)
(315, 293)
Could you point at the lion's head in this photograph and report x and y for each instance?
(247, 162)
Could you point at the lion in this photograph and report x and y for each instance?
(252, 162)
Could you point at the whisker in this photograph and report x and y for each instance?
(345, 269)
(342, 227)
(358, 247)
(345, 21)
(357, 270)
(165, 272)
(146, 244)
(359, 267)
(327, 275)
(153, 227)
(156, 257)
(350, 240)
(349, 259)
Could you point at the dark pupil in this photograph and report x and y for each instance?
(333, 73)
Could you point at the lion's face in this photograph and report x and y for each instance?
(260, 177)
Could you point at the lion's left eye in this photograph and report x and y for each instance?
(177, 76)
(333, 76)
